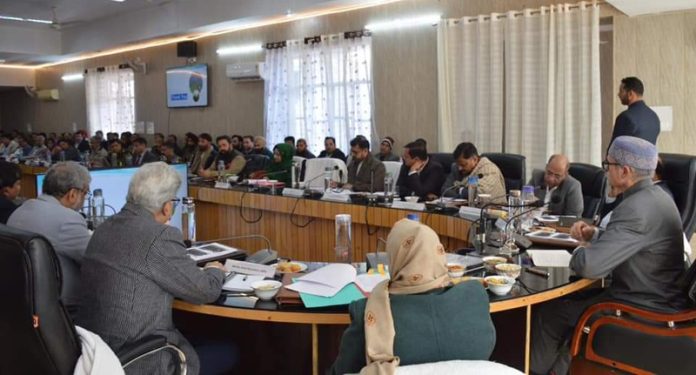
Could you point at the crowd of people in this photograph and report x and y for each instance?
(135, 264)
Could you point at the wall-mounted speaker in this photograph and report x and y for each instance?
(186, 49)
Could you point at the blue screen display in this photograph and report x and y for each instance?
(114, 185)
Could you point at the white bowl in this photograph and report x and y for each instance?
(500, 285)
(508, 269)
(453, 274)
(491, 261)
(266, 289)
(412, 199)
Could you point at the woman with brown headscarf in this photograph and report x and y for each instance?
(417, 316)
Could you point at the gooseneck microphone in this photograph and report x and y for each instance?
(308, 182)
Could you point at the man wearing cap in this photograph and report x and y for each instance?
(641, 247)
(385, 150)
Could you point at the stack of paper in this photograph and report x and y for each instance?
(550, 258)
(326, 281)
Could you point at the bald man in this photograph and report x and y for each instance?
(553, 182)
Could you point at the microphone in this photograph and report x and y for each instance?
(308, 182)
(534, 206)
(455, 185)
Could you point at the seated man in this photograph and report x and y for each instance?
(54, 215)
(385, 150)
(641, 248)
(302, 150)
(65, 152)
(556, 182)
(136, 265)
(169, 155)
(141, 155)
(98, 157)
(417, 317)
(260, 147)
(469, 163)
(232, 159)
(419, 175)
(205, 154)
(331, 151)
(10, 186)
(365, 172)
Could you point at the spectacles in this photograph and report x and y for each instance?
(555, 175)
(175, 203)
(606, 164)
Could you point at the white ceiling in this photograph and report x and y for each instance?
(97, 25)
(640, 7)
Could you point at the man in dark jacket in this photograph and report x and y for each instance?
(638, 120)
(419, 175)
(365, 172)
(141, 155)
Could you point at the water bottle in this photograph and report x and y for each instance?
(527, 199)
(97, 207)
(61, 156)
(293, 175)
(129, 160)
(113, 160)
(388, 188)
(221, 170)
(188, 219)
(85, 159)
(472, 184)
(344, 245)
(514, 202)
(413, 217)
(328, 178)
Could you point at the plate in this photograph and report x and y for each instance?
(290, 267)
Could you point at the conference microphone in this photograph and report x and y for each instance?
(308, 182)
(534, 205)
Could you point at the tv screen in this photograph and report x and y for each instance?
(187, 86)
(114, 185)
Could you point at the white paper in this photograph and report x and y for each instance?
(326, 281)
(550, 258)
(150, 127)
(367, 282)
(248, 268)
(343, 196)
(665, 114)
(241, 283)
(210, 251)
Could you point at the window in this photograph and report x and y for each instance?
(110, 97)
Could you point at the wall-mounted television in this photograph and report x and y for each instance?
(114, 184)
(187, 86)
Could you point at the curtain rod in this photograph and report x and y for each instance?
(317, 38)
(533, 11)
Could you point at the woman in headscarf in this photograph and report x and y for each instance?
(417, 316)
(279, 169)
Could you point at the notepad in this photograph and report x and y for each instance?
(550, 258)
(345, 296)
(326, 281)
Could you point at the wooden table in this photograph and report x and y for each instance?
(29, 180)
(303, 229)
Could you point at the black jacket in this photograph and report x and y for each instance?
(337, 154)
(428, 181)
(7, 207)
(637, 121)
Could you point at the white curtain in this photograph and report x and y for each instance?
(110, 98)
(470, 75)
(320, 89)
(553, 85)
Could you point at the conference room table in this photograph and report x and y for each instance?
(303, 230)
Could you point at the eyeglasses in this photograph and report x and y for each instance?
(175, 203)
(555, 175)
(606, 164)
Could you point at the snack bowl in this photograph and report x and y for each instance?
(266, 289)
(455, 270)
(500, 285)
(412, 199)
(508, 269)
(491, 261)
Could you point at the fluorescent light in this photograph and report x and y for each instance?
(249, 48)
(72, 77)
(2, 61)
(12, 18)
(430, 19)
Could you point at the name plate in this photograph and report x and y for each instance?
(296, 193)
(248, 268)
(335, 197)
(222, 185)
(408, 205)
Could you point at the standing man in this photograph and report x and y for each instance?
(556, 182)
(638, 120)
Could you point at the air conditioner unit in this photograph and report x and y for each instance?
(250, 71)
(48, 95)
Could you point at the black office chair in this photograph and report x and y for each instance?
(445, 159)
(512, 166)
(592, 179)
(255, 163)
(38, 336)
(679, 171)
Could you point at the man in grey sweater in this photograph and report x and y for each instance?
(134, 267)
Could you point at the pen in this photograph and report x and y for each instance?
(537, 272)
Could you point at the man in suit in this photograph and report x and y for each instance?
(66, 151)
(638, 120)
(331, 151)
(10, 186)
(419, 175)
(365, 172)
(135, 265)
(54, 214)
(80, 143)
(141, 155)
(469, 163)
(555, 181)
(641, 247)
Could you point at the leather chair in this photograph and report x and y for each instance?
(625, 338)
(38, 335)
(255, 163)
(679, 171)
(512, 166)
(592, 179)
(446, 159)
